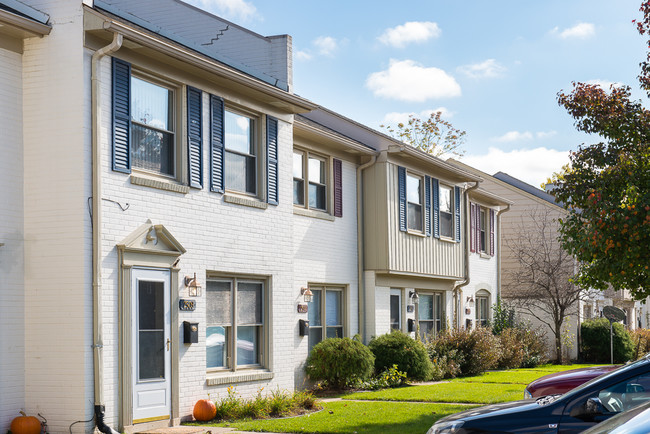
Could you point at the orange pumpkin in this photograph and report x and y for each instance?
(25, 425)
(204, 410)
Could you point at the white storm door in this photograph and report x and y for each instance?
(151, 351)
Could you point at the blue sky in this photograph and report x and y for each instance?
(492, 67)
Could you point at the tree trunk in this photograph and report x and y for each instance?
(558, 347)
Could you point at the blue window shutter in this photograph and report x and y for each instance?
(436, 207)
(491, 232)
(194, 137)
(338, 187)
(272, 160)
(457, 212)
(427, 206)
(121, 116)
(216, 144)
(401, 181)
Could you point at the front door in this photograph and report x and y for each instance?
(151, 345)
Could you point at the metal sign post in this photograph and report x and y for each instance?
(613, 314)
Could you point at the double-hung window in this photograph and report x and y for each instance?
(240, 153)
(325, 313)
(310, 180)
(414, 199)
(483, 230)
(235, 323)
(446, 212)
(430, 314)
(482, 308)
(152, 127)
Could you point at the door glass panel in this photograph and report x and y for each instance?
(394, 311)
(425, 309)
(151, 333)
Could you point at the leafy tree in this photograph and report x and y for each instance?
(607, 190)
(434, 135)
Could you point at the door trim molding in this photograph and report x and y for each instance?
(149, 246)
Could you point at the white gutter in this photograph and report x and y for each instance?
(98, 339)
(459, 284)
(361, 285)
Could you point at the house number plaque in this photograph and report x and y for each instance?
(187, 305)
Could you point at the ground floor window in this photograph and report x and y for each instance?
(325, 313)
(430, 313)
(235, 323)
(482, 308)
(395, 309)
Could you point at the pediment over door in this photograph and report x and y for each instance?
(153, 240)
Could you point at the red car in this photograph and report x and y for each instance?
(561, 382)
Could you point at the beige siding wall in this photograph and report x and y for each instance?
(12, 268)
(58, 294)
(375, 217)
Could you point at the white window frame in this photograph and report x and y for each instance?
(231, 364)
(483, 232)
(421, 204)
(451, 211)
(175, 106)
(257, 139)
(482, 297)
(306, 156)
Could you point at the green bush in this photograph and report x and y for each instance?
(278, 403)
(521, 347)
(392, 377)
(504, 316)
(596, 342)
(397, 348)
(641, 339)
(340, 362)
(474, 351)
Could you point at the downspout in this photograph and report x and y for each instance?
(361, 286)
(98, 341)
(498, 249)
(460, 283)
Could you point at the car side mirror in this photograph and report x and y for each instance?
(589, 410)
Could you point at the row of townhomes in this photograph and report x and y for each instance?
(175, 220)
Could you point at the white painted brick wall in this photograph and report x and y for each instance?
(483, 273)
(326, 252)
(12, 268)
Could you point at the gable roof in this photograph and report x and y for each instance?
(541, 194)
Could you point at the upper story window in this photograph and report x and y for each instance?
(482, 230)
(240, 153)
(152, 127)
(446, 212)
(311, 171)
(414, 198)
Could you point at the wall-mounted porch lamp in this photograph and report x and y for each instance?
(415, 298)
(193, 287)
(307, 294)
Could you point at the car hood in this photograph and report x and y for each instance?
(574, 375)
(503, 409)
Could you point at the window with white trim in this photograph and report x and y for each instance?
(483, 227)
(482, 308)
(326, 313)
(446, 211)
(414, 198)
(310, 180)
(241, 151)
(430, 313)
(235, 323)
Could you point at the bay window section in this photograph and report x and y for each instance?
(235, 326)
(414, 199)
(152, 127)
(240, 153)
(446, 212)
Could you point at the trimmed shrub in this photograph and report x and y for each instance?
(536, 350)
(521, 348)
(397, 348)
(596, 342)
(340, 362)
(475, 351)
(641, 339)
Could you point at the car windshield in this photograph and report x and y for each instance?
(577, 390)
(634, 420)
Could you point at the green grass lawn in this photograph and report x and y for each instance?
(475, 393)
(357, 417)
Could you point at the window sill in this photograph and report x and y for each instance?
(245, 201)
(447, 240)
(416, 233)
(485, 255)
(160, 184)
(217, 379)
(314, 214)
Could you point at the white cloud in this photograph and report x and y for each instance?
(326, 45)
(579, 31)
(407, 80)
(545, 134)
(303, 55)
(412, 31)
(489, 68)
(605, 84)
(394, 118)
(229, 9)
(513, 136)
(532, 166)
